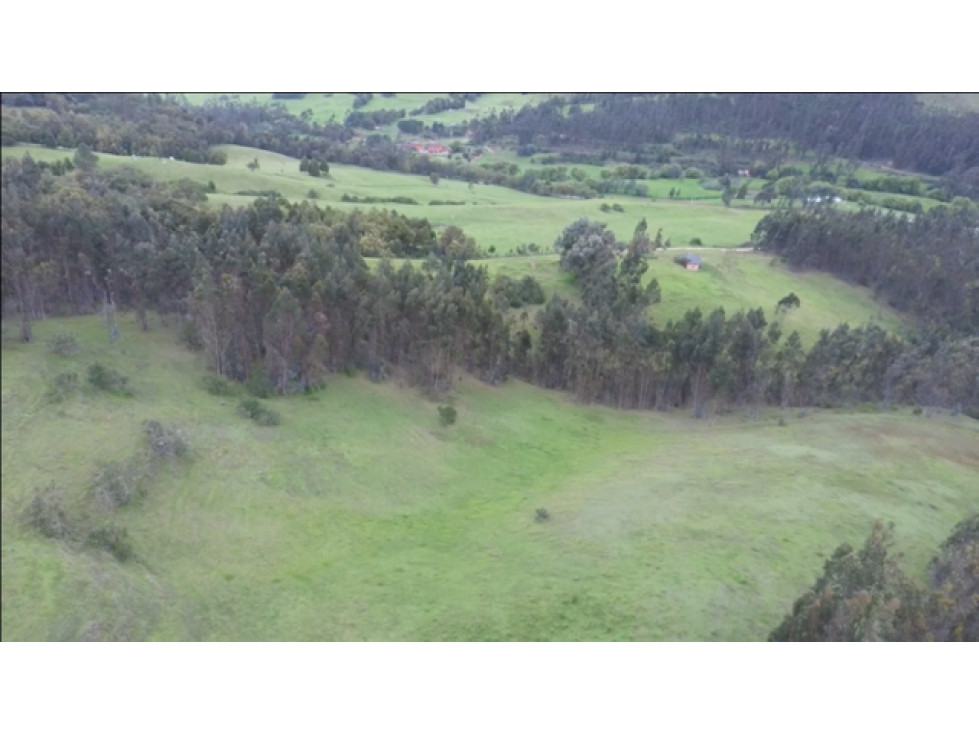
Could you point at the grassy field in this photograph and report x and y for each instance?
(359, 518)
(339, 105)
(733, 281)
(494, 215)
(956, 101)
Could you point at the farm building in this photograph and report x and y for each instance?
(429, 148)
(690, 262)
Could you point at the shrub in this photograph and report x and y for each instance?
(217, 385)
(65, 385)
(117, 483)
(916, 410)
(542, 515)
(313, 194)
(971, 412)
(447, 415)
(64, 344)
(696, 242)
(253, 409)
(106, 378)
(617, 208)
(111, 538)
(190, 335)
(268, 417)
(45, 512)
(693, 173)
(259, 384)
(165, 441)
(605, 208)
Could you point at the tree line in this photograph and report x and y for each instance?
(164, 126)
(927, 266)
(873, 127)
(864, 596)
(284, 289)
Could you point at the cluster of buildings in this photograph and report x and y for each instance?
(429, 148)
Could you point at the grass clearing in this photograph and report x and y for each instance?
(340, 104)
(494, 215)
(733, 281)
(360, 518)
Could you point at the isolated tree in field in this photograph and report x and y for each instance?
(84, 158)
(726, 196)
(790, 301)
(253, 165)
(641, 228)
(434, 178)
(742, 191)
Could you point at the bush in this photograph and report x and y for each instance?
(313, 194)
(542, 515)
(268, 417)
(253, 409)
(916, 410)
(259, 384)
(971, 412)
(106, 378)
(113, 539)
(696, 242)
(447, 415)
(190, 335)
(165, 441)
(693, 173)
(65, 385)
(217, 385)
(45, 512)
(64, 344)
(617, 208)
(117, 483)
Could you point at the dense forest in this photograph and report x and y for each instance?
(927, 266)
(284, 290)
(894, 128)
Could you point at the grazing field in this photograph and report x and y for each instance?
(359, 518)
(733, 281)
(496, 216)
(340, 104)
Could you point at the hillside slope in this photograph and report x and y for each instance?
(360, 518)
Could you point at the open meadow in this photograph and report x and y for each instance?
(360, 517)
(733, 281)
(497, 217)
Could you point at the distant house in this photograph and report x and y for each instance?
(428, 149)
(688, 261)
